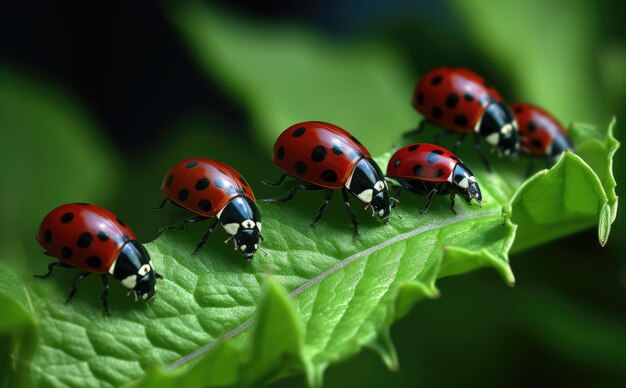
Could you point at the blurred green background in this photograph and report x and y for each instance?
(98, 100)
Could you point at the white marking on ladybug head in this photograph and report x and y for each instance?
(243, 247)
(231, 228)
(144, 270)
(258, 226)
(144, 296)
(256, 246)
(381, 212)
(493, 138)
(379, 186)
(349, 181)
(366, 195)
(112, 267)
(130, 281)
(463, 183)
(472, 179)
(506, 129)
(248, 224)
(506, 151)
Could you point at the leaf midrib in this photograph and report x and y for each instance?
(337, 267)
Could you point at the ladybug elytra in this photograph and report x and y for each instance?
(212, 189)
(428, 169)
(93, 239)
(461, 101)
(324, 156)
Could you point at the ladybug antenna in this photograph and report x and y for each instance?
(263, 251)
(397, 215)
(159, 276)
(396, 200)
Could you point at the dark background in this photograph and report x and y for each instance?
(561, 324)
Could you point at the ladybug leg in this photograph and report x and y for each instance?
(479, 152)
(429, 199)
(74, 288)
(353, 218)
(51, 267)
(416, 131)
(105, 295)
(162, 205)
(452, 195)
(206, 236)
(396, 194)
(289, 196)
(181, 227)
(458, 142)
(440, 134)
(278, 183)
(329, 196)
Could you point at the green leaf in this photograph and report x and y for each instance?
(290, 75)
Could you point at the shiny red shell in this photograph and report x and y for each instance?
(453, 98)
(84, 236)
(204, 186)
(423, 161)
(537, 128)
(318, 153)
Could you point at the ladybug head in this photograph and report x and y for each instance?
(463, 178)
(499, 127)
(133, 268)
(367, 182)
(241, 219)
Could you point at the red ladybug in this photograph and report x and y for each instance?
(428, 170)
(323, 156)
(93, 239)
(541, 135)
(460, 101)
(212, 189)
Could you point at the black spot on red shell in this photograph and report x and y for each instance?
(67, 252)
(329, 176)
(318, 154)
(47, 236)
(420, 98)
(532, 126)
(337, 149)
(537, 143)
(205, 205)
(84, 240)
(169, 180)
(102, 236)
(396, 164)
(436, 80)
(67, 217)
(81, 203)
(202, 184)
(413, 147)
(280, 153)
(518, 109)
(434, 156)
(120, 222)
(418, 169)
(93, 261)
(438, 173)
(437, 112)
(452, 100)
(460, 120)
(191, 164)
(468, 97)
(183, 194)
(298, 132)
(300, 167)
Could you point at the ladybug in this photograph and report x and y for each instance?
(428, 170)
(94, 240)
(214, 190)
(541, 135)
(461, 101)
(322, 156)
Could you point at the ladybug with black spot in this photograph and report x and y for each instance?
(214, 190)
(541, 135)
(462, 102)
(429, 170)
(94, 240)
(323, 156)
